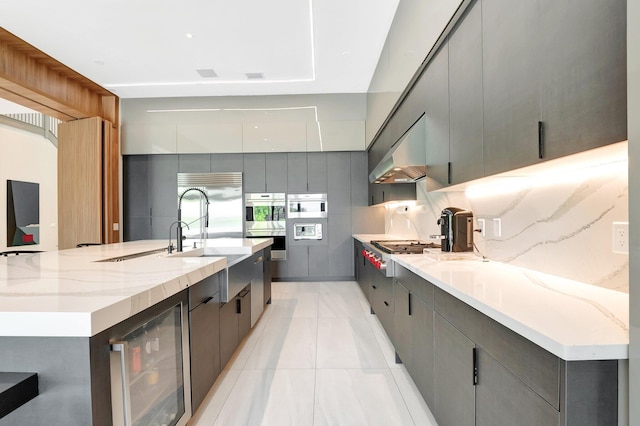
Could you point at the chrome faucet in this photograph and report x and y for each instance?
(179, 228)
(170, 247)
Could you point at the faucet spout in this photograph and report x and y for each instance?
(206, 216)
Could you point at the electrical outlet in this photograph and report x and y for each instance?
(482, 225)
(620, 237)
(497, 227)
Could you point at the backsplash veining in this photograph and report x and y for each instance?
(564, 228)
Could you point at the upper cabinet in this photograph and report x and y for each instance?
(465, 98)
(518, 83)
(583, 74)
(510, 83)
(436, 93)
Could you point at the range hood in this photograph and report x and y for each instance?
(406, 161)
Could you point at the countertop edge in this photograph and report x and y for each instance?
(567, 352)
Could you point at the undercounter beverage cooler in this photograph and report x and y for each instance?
(150, 372)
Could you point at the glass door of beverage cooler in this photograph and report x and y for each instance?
(149, 373)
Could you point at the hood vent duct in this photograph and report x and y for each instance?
(406, 160)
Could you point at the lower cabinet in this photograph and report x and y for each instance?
(471, 370)
(204, 338)
(235, 323)
(381, 300)
(499, 391)
(453, 382)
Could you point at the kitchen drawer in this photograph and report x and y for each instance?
(417, 285)
(381, 299)
(536, 367)
(203, 290)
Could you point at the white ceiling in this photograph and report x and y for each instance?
(140, 48)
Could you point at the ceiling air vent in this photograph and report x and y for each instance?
(207, 73)
(254, 76)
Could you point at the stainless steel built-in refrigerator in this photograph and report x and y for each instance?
(224, 193)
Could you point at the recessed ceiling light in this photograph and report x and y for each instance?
(254, 76)
(189, 35)
(207, 73)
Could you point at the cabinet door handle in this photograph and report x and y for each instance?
(475, 366)
(449, 173)
(373, 287)
(409, 304)
(540, 139)
(207, 300)
(385, 303)
(238, 306)
(258, 260)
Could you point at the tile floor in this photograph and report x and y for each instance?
(316, 357)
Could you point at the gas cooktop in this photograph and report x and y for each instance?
(403, 246)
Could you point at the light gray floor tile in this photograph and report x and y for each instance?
(418, 409)
(270, 397)
(286, 343)
(316, 357)
(348, 343)
(358, 397)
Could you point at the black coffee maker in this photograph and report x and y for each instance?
(456, 229)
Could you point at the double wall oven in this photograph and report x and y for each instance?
(265, 216)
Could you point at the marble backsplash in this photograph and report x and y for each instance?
(562, 227)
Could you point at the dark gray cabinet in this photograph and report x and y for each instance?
(381, 300)
(339, 243)
(318, 260)
(454, 402)
(222, 163)
(296, 172)
(204, 337)
(436, 92)
(235, 323)
(413, 325)
(276, 172)
(503, 400)
(361, 268)
(443, 342)
(163, 189)
(297, 263)
(317, 173)
(381, 193)
(136, 203)
(511, 84)
(254, 176)
(582, 74)
(338, 175)
(229, 337)
(465, 98)
(306, 172)
(194, 163)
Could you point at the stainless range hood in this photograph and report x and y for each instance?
(406, 161)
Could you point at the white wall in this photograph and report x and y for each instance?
(28, 157)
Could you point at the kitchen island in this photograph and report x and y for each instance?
(490, 343)
(57, 309)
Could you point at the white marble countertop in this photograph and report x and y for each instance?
(71, 293)
(572, 320)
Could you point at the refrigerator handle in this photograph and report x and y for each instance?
(121, 348)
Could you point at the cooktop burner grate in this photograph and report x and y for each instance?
(403, 246)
